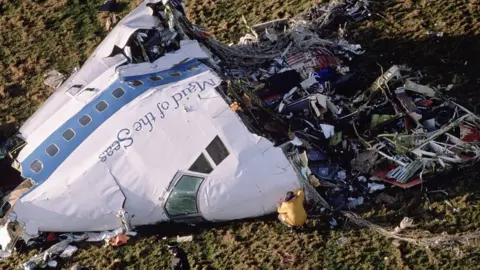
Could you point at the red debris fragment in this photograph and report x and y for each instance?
(51, 237)
(119, 240)
(469, 134)
(425, 103)
(409, 184)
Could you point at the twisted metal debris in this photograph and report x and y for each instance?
(424, 148)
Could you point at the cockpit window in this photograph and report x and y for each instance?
(217, 150)
(183, 198)
(201, 165)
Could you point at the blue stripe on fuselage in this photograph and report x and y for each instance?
(50, 164)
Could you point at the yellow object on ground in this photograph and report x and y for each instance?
(292, 212)
(235, 106)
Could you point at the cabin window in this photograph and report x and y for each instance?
(217, 150)
(101, 106)
(183, 198)
(135, 83)
(118, 93)
(201, 165)
(85, 120)
(156, 78)
(68, 134)
(36, 166)
(193, 68)
(175, 74)
(52, 150)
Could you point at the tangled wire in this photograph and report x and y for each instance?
(304, 34)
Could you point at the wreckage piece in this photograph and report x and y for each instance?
(392, 73)
(9, 235)
(10, 231)
(53, 79)
(308, 61)
(455, 123)
(406, 102)
(365, 161)
(317, 103)
(381, 176)
(151, 142)
(331, 172)
(420, 89)
(42, 259)
(270, 26)
(108, 6)
(359, 11)
(118, 240)
(381, 119)
(300, 37)
(68, 252)
(468, 133)
(403, 173)
(10, 200)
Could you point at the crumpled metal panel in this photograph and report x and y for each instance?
(403, 174)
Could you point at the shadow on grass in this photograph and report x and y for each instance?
(7, 130)
(15, 90)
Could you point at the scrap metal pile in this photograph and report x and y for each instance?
(289, 81)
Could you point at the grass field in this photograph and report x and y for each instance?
(36, 36)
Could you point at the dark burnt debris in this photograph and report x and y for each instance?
(296, 81)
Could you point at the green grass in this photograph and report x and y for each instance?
(36, 36)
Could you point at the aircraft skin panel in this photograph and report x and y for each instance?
(50, 164)
(249, 185)
(88, 202)
(159, 135)
(61, 106)
(154, 139)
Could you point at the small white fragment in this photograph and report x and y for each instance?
(372, 187)
(52, 264)
(188, 238)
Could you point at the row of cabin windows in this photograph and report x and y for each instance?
(137, 83)
(69, 134)
(74, 90)
(52, 150)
